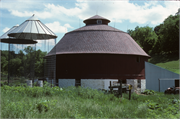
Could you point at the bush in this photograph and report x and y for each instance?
(149, 92)
(4, 83)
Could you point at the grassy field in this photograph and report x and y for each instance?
(171, 66)
(72, 102)
(169, 62)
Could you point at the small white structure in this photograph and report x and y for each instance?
(29, 83)
(40, 83)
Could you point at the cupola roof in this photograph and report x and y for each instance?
(96, 20)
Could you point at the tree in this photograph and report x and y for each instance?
(24, 63)
(4, 61)
(168, 34)
(4, 64)
(145, 37)
(39, 65)
(15, 64)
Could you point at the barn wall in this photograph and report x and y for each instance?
(102, 83)
(143, 85)
(153, 73)
(97, 83)
(107, 83)
(66, 82)
(100, 66)
(91, 83)
(134, 83)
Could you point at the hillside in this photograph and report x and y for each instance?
(169, 62)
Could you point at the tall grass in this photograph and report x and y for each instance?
(72, 102)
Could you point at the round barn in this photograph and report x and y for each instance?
(97, 52)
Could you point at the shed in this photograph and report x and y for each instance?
(159, 79)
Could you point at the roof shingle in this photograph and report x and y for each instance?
(97, 38)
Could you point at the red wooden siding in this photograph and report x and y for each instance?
(100, 66)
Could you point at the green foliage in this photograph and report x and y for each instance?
(149, 92)
(175, 101)
(171, 66)
(33, 92)
(134, 96)
(45, 105)
(163, 39)
(79, 102)
(145, 37)
(153, 105)
(4, 83)
(4, 61)
(168, 34)
(39, 65)
(169, 62)
(22, 62)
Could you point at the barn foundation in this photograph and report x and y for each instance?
(138, 85)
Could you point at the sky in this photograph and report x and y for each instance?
(62, 16)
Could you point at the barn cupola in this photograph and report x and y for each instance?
(96, 20)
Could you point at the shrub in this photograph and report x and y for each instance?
(45, 105)
(175, 101)
(149, 92)
(4, 83)
(42, 105)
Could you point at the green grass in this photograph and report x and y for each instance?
(169, 62)
(72, 102)
(171, 66)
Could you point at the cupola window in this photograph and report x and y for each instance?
(99, 21)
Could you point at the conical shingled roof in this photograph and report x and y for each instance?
(32, 29)
(6, 39)
(96, 17)
(101, 39)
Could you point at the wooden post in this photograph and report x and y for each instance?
(120, 87)
(130, 94)
(110, 87)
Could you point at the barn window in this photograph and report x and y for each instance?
(138, 59)
(77, 82)
(99, 21)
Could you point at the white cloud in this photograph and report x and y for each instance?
(5, 29)
(57, 28)
(151, 12)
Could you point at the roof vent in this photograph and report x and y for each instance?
(99, 21)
